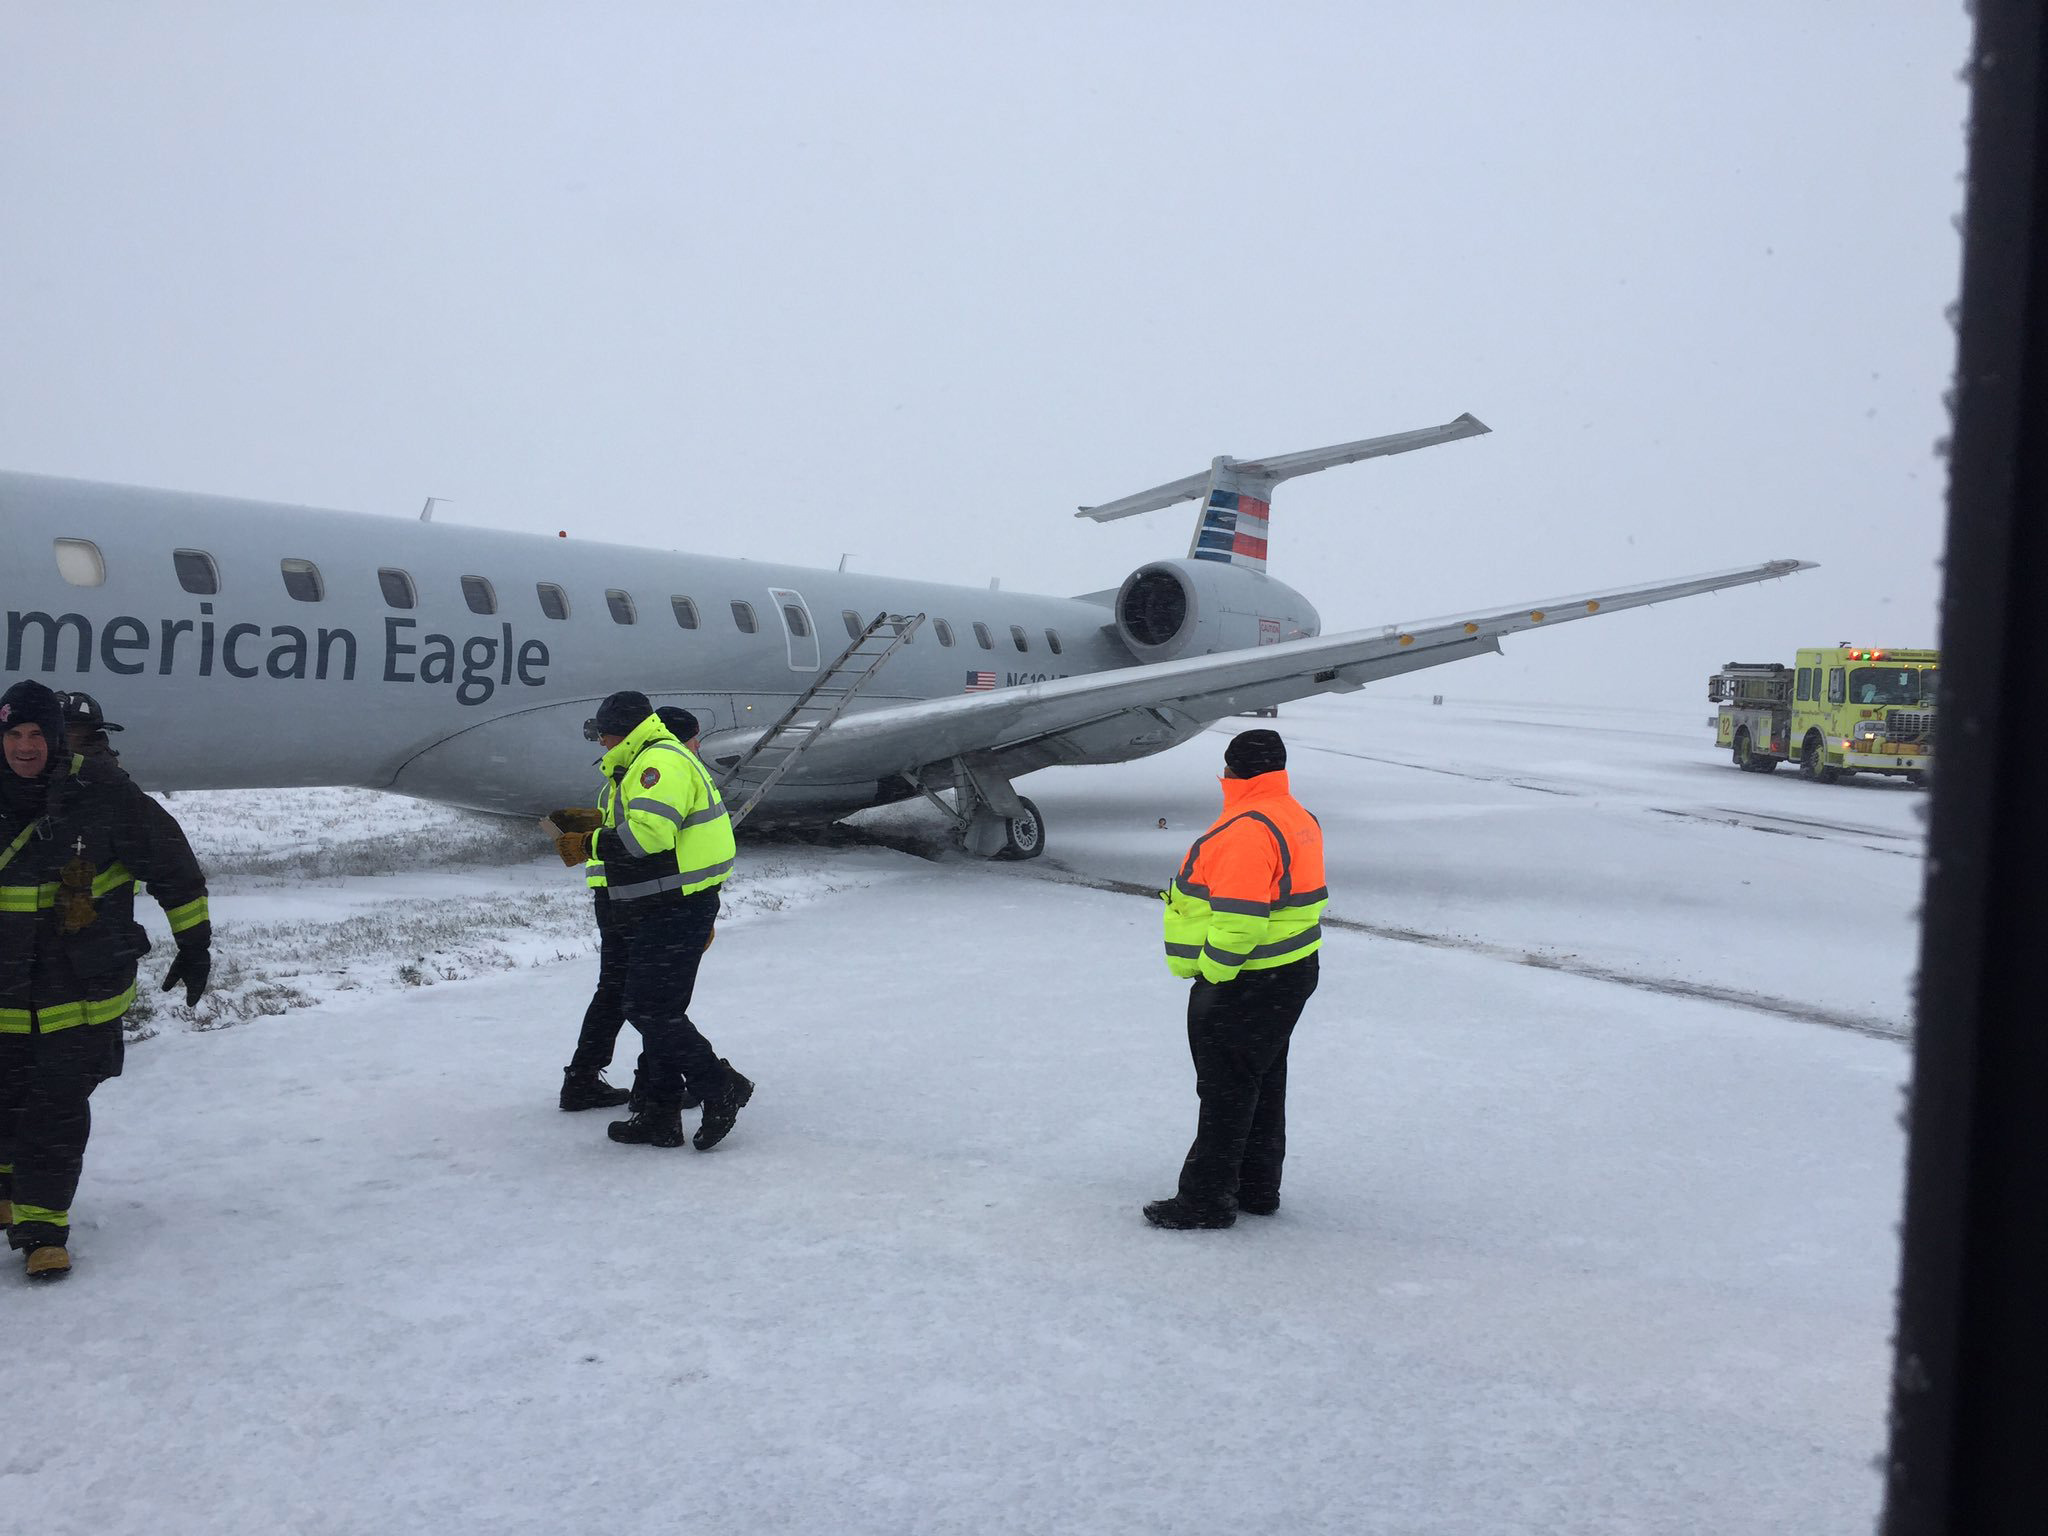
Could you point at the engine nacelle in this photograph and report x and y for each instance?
(1176, 608)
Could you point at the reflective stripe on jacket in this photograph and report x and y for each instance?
(593, 867)
(69, 941)
(1250, 893)
(665, 827)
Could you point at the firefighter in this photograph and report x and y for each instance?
(1244, 923)
(76, 837)
(583, 1082)
(664, 846)
(86, 726)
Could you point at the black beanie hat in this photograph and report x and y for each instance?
(1252, 753)
(28, 702)
(680, 722)
(621, 712)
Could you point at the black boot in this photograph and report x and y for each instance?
(722, 1108)
(1177, 1214)
(649, 1128)
(589, 1090)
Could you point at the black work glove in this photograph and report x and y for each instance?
(192, 967)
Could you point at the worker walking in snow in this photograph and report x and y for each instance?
(76, 836)
(664, 846)
(583, 1081)
(1244, 923)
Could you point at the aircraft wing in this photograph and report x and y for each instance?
(1107, 715)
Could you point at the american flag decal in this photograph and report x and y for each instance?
(1233, 530)
(980, 682)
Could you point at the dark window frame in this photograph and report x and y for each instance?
(982, 637)
(943, 630)
(541, 592)
(619, 603)
(685, 610)
(307, 570)
(390, 575)
(207, 562)
(744, 619)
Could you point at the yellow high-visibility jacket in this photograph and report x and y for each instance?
(665, 832)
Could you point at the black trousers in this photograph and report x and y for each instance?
(665, 939)
(607, 1011)
(1238, 1033)
(46, 1082)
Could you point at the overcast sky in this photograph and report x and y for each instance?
(912, 282)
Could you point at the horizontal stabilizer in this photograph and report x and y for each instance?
(1285, 466)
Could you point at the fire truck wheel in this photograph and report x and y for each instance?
(1810, 765)
(1746, 758)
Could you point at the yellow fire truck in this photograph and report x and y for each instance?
(1836, 711)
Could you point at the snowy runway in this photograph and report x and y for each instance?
(1555, 1255)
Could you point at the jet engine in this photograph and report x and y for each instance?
(1176, 608)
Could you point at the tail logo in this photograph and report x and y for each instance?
(1233, 529)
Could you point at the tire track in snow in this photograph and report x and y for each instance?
(1667, 986)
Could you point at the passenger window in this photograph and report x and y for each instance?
(852, 622)
(554, 602)
(197, 573)
(481, 596)
(79, 562)
(1052, 640)
(799, 626)
(943, 630)
(621, 604)
(1017, 634)
(302, 580)
(743, 617)
(1838, 684)
(397, 588)
(1806, 682)
(685, 611)
(983, 637)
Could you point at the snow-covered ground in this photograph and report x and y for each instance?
(1563, 1248)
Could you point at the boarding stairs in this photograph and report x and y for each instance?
(823, 702)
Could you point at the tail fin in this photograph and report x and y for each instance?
(1237, 494)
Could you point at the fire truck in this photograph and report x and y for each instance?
(1836, 711)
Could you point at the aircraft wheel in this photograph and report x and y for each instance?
(1023, 836)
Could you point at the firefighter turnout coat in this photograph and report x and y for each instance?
(1250, 893)
(665, 828)
(69, 942)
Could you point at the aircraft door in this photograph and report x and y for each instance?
(797, 628)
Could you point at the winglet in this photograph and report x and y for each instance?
(1237, 494)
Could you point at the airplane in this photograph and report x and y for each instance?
(254, 645)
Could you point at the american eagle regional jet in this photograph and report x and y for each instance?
(245, 645)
